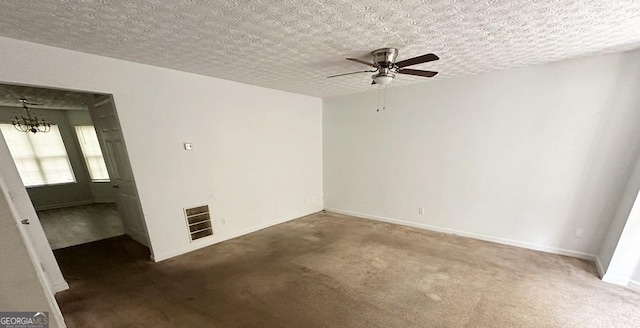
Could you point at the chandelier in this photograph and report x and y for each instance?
(30, 123)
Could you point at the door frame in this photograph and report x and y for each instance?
(33, 251)
(23, 209)
(22, 206)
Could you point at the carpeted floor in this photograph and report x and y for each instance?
(329, 270)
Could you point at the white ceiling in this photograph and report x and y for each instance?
(293, 45)
(10, 96)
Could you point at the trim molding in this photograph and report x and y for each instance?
(71, 204)
(220, 238)
(62, 205)
(60, 287)
(504, 241)
(599, 267)
(103, 201)
(634, 285)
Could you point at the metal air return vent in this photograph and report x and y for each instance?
(198, 221)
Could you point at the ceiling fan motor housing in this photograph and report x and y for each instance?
(385, 57)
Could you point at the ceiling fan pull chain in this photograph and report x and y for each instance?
(384, 102)
(378, 109)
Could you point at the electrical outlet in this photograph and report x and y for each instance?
(420, 210)
(223, 221)
(578, 233)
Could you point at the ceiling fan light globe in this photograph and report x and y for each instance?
(383, 79)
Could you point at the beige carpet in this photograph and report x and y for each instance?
(329, 270)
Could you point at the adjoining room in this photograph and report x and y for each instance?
(60, 163)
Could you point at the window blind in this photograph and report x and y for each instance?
(41, 158)
(92, 153)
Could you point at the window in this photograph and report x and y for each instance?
(92, 154)
(41, 158)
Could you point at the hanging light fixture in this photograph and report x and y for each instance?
(30, 123)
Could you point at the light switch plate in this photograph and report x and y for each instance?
(188, 146)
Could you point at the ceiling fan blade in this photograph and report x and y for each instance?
(349, 73)
(361, 62)
(417, 60)
(417, 72)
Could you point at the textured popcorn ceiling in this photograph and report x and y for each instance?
(10, 96)
(293, 45)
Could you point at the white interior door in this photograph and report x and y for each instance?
(105, 121)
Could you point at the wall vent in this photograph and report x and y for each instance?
(198, 221)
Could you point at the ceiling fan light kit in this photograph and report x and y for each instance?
(383, 79)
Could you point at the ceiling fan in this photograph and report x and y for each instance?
(386, 67)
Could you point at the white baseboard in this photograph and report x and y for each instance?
(103, 201)
(63, 205)
(498, 240)
(218, 239)
(599, 267)
(616, 280)
(634, 285)
(60, 287)
(72, 204)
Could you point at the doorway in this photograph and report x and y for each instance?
(72, 167)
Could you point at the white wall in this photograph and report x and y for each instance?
(621, 218)
(635, 279)
(625, 259)
(619, 257)
(257, 157)
(522, 156)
